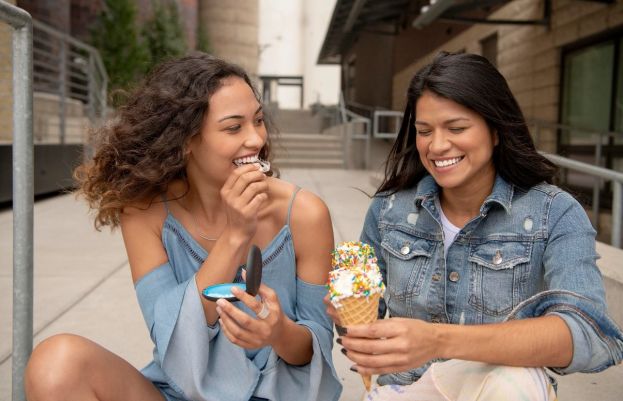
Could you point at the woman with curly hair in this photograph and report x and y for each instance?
(183, 169)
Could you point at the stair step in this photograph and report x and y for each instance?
(311, 163)
(308, 153)
(307, 136)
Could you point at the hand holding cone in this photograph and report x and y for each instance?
(355, 286)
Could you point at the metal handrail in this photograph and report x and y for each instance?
(598, 136)
(71, 70)
(23, 192)
(349, 119)
(606, 174)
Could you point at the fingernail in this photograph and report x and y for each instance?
(339, 341)
(341, 330)
(218, 310)
(354, 368)
(220, 302)
(343, 351)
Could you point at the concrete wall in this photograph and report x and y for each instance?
(6, 84)
(290, 37)
(232, 30)
(528, 56)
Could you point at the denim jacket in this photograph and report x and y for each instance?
(527, 254)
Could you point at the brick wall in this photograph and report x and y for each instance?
(6, 84)
(529, 56)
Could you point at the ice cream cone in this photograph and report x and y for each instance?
(359, 310)
(355, 286)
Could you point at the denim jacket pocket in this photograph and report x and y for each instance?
(498, 274)
(407, 258)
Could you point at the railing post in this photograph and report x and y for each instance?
(63, 90)
(597, 182)
(617, 212)
(23, 198)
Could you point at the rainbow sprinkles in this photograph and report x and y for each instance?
(356, 273)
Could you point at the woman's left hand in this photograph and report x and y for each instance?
(252, 332)
(390, 345)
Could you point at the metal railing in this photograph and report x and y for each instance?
(606, 174)
(23, 195)
(71, 83)
(350, 121)
(594, 138)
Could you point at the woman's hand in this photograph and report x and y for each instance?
(252, 332)
(390, 345)
(243, 193)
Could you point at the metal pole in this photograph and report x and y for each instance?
(63, 90)
(597, 183)
(617, 212)
(23, 204)
(23, 192)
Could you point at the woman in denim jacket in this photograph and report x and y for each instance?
(484, 259)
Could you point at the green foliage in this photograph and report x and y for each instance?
(163, 33)
(203, 43)
(115, 35)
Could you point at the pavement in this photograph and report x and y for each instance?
(83, 285)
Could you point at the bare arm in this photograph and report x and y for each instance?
(400, 344)
(312, 233)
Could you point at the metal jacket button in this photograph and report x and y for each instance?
(497, 259)
(405, 250)
(436, 277)
(454, 277)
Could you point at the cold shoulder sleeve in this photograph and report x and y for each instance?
(195, 360)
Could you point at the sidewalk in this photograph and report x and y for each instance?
(83, 284)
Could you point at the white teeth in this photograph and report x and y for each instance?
(447, 162)
(264, 165)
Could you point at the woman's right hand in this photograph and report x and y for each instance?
(244, 192)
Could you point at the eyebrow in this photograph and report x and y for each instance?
(239, 117)
(452, 120)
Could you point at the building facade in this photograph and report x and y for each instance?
(560, 57)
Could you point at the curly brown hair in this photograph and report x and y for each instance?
(142, 147)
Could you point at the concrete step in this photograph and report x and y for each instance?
(297, 121)
(309, 153)
(308, 163)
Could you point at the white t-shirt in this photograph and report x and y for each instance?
(450, 231)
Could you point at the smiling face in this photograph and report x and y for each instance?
(455, 144)
(233, 131)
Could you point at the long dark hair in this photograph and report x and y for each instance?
(142, 147)
(472, 81)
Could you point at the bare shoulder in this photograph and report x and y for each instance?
(141, 227)
(312, 235)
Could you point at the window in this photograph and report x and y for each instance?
(592, 101)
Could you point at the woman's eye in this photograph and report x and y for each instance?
(423, 132)
(233, 128)
(259, 121)
(456, 130)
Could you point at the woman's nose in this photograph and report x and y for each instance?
(439, 142)
(255, 137)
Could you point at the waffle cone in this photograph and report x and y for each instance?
(359, 310)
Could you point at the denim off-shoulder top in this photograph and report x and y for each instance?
(196, 361)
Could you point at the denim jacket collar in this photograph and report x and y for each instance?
(502, 193)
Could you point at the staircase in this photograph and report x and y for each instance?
(300, 143)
